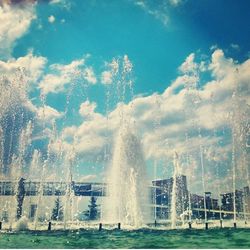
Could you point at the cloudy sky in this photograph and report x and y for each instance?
(177, 70)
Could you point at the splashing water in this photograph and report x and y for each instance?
(128, 197)
(22, 224)
(174, 193)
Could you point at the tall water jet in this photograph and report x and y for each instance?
(1, 150)
(68, 202)
(16, 172)
(203, 182)
(44, 169)
(128, 194)
(174, 192)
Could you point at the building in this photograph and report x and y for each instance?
(27, 196)
(227, 202)
(198, 206)
(162, 195)
(246, 193)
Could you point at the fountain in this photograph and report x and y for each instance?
(22, 224)
(174, 192)
(125, 195)
(128, 195)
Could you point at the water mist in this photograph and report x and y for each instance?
(128, 194)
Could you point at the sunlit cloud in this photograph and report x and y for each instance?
(14, 23)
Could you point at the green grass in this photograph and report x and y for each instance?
(213, 238)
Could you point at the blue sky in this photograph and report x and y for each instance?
(112, 28)
(172, 53)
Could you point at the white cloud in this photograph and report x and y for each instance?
(118, 65)
(62, 76)
(69, 132)
(220, 65)
(187, 81)
(87, 109)
(189, 66)
(14, 23)
(88, 138)
(17, 75)
(89, 75)
(157, 11)
(51, 19)
(107, 76)
(71, 68)
(31, 65)
(48, 113)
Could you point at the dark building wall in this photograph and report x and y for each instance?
(227, 201)
(162, 195)
(246, 193)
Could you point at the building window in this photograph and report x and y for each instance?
(33, 208)
(5, 216)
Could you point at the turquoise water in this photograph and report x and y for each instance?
(213, 238)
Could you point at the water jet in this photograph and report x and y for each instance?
(128, 196)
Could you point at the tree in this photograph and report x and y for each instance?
(20, 197)
(57, 212)
(93, 212)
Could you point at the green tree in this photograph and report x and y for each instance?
(20, 197)
(57, 212)
(93, 212)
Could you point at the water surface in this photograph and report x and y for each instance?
(213, 238)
